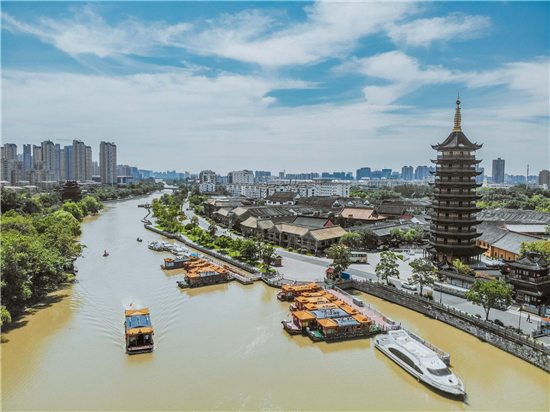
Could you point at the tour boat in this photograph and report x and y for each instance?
(420, 361)
(139, 331)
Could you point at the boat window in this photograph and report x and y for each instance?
(403, 357)
(440, 372)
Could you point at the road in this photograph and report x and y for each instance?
(301, 267)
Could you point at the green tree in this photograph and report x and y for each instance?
(397, 234)
(461, 267)
(74, 209)
(5, 316)
(369, 239)
(387, 267)
(223, 242)
(539, 246)
(267, 255)
(351, 240)
(489, 294)
(91, 204)
(249, 249)
(212, 229)
(341, 258)
(195, 221)
(236, 245)
(423, 273)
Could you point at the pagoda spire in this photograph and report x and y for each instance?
(458, 118)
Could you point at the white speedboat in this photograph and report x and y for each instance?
(420, 361)
(178, 250)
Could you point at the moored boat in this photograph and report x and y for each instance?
(139, 331)
(420, 361)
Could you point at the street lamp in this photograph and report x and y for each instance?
(441, 289)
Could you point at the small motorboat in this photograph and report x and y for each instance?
(139, 239)
(105, 254)
(139, 331)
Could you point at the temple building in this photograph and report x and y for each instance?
(530, 276)
(453, 230)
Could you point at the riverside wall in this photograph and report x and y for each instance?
(210, 252)
(530, 350)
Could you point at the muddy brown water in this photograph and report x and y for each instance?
(222, 347)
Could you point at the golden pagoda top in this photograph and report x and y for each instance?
(458, 119)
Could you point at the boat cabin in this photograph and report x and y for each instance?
(288, 293)
(139, 331)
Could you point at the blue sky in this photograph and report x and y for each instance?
(299, 86)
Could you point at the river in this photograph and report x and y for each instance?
(222, 347)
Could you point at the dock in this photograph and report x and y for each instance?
(385, 323)
(380, 320)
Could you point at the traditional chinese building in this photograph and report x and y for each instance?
(453, 230)
(530, 276)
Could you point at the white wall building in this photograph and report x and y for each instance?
(241, 176)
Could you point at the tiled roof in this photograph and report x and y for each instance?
(327, 233)
(512, 241)
(506, 216)
(360, 214)
(282, 197)
(310, 221)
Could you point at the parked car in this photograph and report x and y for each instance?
(410, 286)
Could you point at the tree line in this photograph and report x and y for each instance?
(39, 246)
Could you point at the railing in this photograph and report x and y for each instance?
(428, 307)
(541, 279)
(391, 324)
(220, 256)
(445, 357)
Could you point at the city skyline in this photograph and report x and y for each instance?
(384, 90)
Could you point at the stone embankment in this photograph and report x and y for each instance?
(255, 275)
(530, 350)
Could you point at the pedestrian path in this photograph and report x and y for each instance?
(379, 319)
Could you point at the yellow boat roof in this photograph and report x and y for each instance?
(136, 312)
(137, 331)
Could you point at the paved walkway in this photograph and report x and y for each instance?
(379, 319)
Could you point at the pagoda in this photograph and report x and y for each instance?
(453, 230)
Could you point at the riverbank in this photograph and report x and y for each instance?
(70, 355)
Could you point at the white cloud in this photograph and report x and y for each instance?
(331, 30)
(454, 27)
(404, 74)
(89, 33)
(184, 121)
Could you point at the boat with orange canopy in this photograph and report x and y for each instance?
(139, 331)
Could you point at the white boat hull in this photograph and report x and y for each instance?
(457, 390)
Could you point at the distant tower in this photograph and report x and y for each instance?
(453, 222)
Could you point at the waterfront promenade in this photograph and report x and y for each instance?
(302, 268)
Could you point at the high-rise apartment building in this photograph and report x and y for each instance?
(95, 168)
(498, 170)
(89, 163)
(27, 157)
(241, 176)
(544, 178)
(407, 173)
(79, 160)
(107, 163)
(36, 155)
(421, 172)
(10, 151)
(68, 163)
(363, 173)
